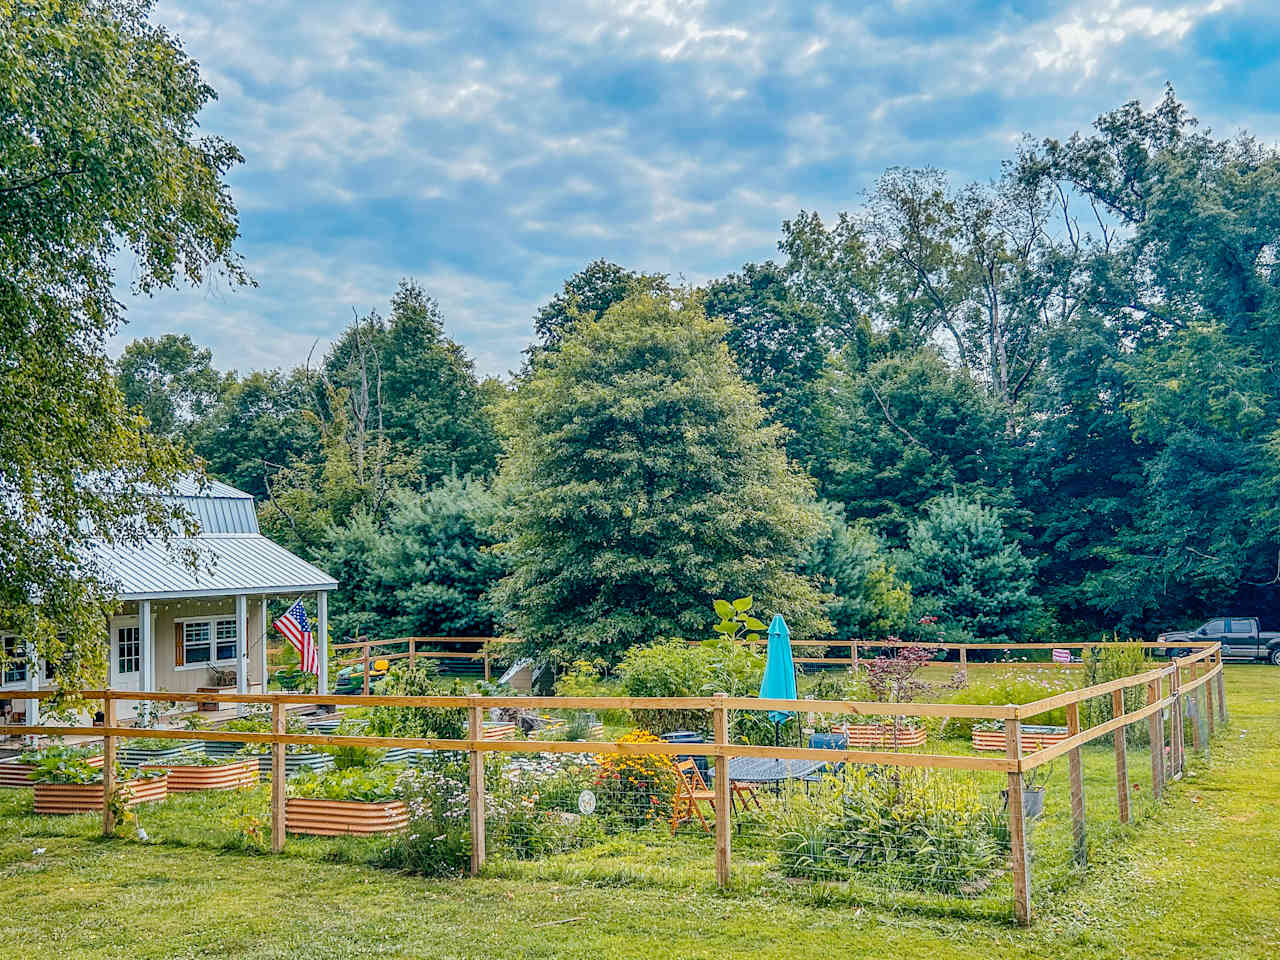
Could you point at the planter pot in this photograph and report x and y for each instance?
(880, 735)
(15, 774)
(57, 798)
(1033, 738)
(336, 818)
(226, 776)
(136, 757)
(212, 706)
(1032, 802)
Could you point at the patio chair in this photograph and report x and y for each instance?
(691, 791)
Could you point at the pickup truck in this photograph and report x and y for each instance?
(1240, 638)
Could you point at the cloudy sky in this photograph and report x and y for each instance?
(489, 150)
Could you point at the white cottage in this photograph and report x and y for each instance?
(178, 626)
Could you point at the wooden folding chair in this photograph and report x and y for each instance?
(691, 790)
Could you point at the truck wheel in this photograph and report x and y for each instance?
(1275, 657)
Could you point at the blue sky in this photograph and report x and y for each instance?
(489, 150)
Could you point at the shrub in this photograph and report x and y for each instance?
(584, 679)
(419, 680)
(673, 668)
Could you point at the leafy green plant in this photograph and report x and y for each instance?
(350, 756)
(59, 768)
(34, 756)
(736, 622)
(674, 668)
(419, 680)
(1111, 663)
(198, 758)
(585, 678)
(368, 785)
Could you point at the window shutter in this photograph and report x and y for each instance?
(179, 654)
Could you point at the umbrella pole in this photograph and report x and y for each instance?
(777, 784)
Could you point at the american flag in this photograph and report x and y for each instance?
(297, 629)
(1061, 656)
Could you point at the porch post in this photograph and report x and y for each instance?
(242, 644)
(262, 650)
(33, 683)
(146, 646)
(322, 641)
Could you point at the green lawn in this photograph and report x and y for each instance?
(1195, 877)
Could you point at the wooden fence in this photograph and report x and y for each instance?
(487, 652)
(1191, 685)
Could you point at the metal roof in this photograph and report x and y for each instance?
(229, 563)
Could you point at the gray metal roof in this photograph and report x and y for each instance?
(229, 563)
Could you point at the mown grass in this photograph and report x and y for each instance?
(1194, 877)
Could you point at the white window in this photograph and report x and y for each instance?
(15, 660)
(128, 650)
(208, 641)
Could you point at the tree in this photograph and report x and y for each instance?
(642, 482)
(776, 342)
(903, 431)
(407, 382)
(586, 296)
(170, 380)
(427, 571)
(257, 428)
(849, 563)
(964, 570)
(98, 155)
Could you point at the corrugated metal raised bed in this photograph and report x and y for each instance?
(59, 798)
(335, 818)
(185, 778)
(15, 774)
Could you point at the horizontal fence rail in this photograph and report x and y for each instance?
(1185, 686)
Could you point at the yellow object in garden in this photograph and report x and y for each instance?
(381, 666)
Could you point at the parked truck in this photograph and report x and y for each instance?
(1240, 638)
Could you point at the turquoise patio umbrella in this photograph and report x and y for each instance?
(779, 681)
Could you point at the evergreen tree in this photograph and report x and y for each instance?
(868, 601)
(642, 482)
(964, 570)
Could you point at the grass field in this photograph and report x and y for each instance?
(1195, 877)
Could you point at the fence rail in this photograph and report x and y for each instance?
(1184, 686)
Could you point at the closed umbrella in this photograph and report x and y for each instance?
(779, 681)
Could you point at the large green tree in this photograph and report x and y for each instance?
(642, 481)
(170, 381)
(99, 156)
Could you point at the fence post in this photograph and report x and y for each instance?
(964, 663)
(1156, 736)
(1222, 695)
(1208, 703)
(108, 764)
(1178, 733)
(1075, 774)
(1017, 826)
(366, 668)
(854, 647)
(1122, 758)
(724, 807)
(277, 777)
(475, 727)
(413, 652)
(485, 648)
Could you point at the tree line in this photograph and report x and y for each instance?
(1037, 407)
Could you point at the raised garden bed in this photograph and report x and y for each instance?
(880, 735)
(133, 756)
(335, 818)
(1033, 738)
(295, 763)
(59, 798)
(184, 778)
(15, 774)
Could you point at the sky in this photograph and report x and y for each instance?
(490, 150)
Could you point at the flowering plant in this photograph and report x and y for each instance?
(638, 786)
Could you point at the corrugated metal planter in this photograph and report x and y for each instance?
(1033, 738)
(225, 776)
(295, 763)
(15, 774)
(59, 798)
(137, 756)
(337, 818)
(881, 735)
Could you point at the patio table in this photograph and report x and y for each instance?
(771, 769)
